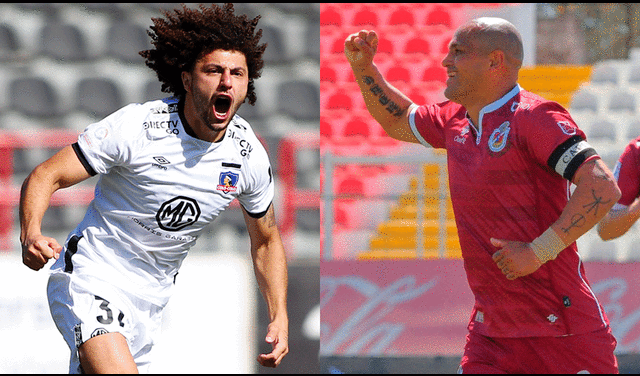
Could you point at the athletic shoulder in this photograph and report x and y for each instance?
(250, 145)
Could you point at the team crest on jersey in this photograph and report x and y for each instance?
(567, 128)
(228, 182)
(498, 139)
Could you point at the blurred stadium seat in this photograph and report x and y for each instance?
(606, 74)
(299, 99)
(63, 42)
(98, 96)
(33, 96)
(125, 40)
(439, 16)
(8, 42)
(330, 17)
(276, 52)
(623, 99)
(365, 17)
(585, 99)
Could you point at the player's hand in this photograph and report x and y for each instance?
(360, 48)
(278, 337)
(37, 250)
(515, 259)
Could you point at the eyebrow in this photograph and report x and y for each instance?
(214, 65)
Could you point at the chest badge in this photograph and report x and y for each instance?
(228, 182)
(498, 139)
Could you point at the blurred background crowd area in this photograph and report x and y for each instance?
(64, 66)
(584, 56)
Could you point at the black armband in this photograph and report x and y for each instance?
(569, 156)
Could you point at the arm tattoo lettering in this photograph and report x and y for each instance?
(392, 107)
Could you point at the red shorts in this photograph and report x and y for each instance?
(583, 353)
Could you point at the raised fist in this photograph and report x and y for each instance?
(360, 48)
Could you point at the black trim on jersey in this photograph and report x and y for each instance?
(232, 165)
(72, 248)
(575, 162)
(259, 215)
(83, 159)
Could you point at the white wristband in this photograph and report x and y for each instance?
(548, 245)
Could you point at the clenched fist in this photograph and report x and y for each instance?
(360, 48)
(38, 250)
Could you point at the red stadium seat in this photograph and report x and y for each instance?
(330, 17)
(385, 46)
(351, 185)
(418, 97)
(398, 73)
(327, 74)
(417, 46)
(417, 50)
(365, 17)
(439, 16)
(401, 16)
(435, 73)
(340, 101)
(357, 127)
(338, 46)
(326, 129)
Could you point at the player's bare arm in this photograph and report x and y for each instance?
(596, 192)
(385, 103)
(62, 170)
(270, 267)
(619, 220)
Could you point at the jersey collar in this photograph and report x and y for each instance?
(490, 108)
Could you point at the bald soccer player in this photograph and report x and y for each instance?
(511, 157)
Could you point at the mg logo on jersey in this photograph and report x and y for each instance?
(228, 182)
(498, 138)
(178, 213)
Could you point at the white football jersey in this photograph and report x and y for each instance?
(158, 188)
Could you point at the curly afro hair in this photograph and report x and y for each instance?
(184, 36)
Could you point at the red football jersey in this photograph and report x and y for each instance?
(627, 172)
(509, 179)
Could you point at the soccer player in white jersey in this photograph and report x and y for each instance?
(167, 168)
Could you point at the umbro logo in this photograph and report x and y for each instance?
(161, 162)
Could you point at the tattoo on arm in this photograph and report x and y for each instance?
(269, 219)
(578, 220)
(392, 107)
(597, 201)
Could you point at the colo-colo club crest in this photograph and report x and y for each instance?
(228, 182)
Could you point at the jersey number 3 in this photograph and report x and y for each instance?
(109, 313)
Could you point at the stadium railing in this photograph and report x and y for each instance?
(294, 198)
(329, 238)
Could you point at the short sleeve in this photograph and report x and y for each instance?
(627, 173)
(427, 125)
(554, 139)
(109, 142)
(260, 188)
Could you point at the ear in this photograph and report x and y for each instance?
(186, 81)
(496, 59)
